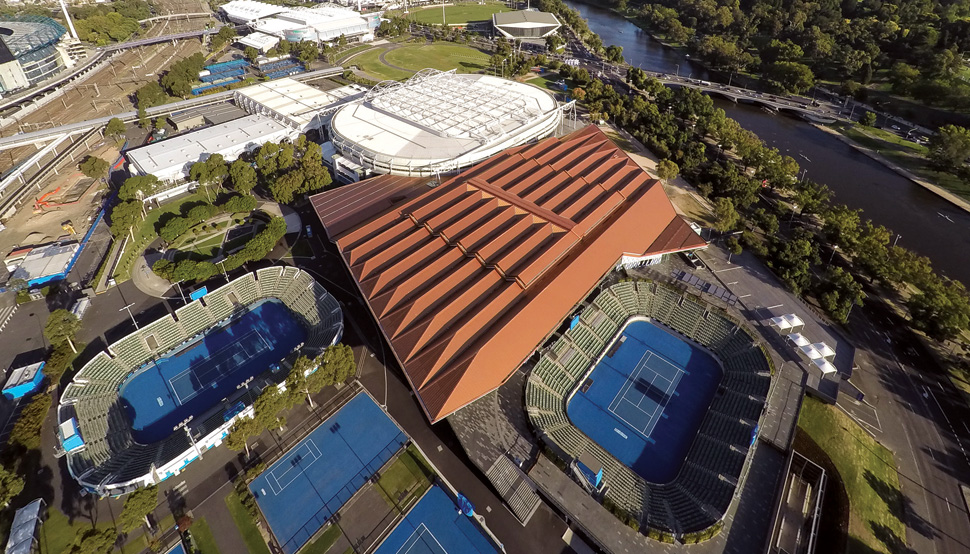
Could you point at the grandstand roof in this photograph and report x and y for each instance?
(295, 102)
(467, 278)
(524, 17)
(248, 10)
(24, 34)
(441, 121)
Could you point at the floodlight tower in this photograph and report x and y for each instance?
(67, 17)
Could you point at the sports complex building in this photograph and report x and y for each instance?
(438, 122)
(139, 412)
(526, 274)
(30, 51)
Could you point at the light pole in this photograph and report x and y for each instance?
(222, 264)
(897, 240)
(678, 70)
(182, 294)
(804, 172)
(834, 248)
(128, 307)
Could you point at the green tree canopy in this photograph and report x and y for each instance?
(242, 176)
(94, 167)
(10, 485)
(950, 147)
(242, 430)
(838, 292)
(124, 216)
(115, 128)
(667, 170)
(61, 327)
(134, 188)
(95, 541)
(26, 430)
(940, 309)
(138, 505)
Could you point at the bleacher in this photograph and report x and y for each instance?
(701, 494)
(110, 457)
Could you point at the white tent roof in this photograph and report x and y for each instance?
(810, 352)
(824, 365)
(798, 339)
(22, 530)
(825, 350)
(787, 322)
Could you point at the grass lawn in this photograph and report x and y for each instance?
(204, 541)
(868, 472)
(247, 528)
(369, 61)
(205, 249)
(547, 81)
(323, 542)
(442, 56)
(351, 51)
(406, 479)
(462, 13)
(57, 534)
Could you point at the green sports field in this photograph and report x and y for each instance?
(457, 15)
(401, 63)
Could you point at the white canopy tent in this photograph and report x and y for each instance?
(824, 365)
(797, 339)
(825, 350)
(787, 324)
(810, 352)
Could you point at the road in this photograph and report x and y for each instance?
(909, 408)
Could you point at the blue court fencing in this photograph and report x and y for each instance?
(331, 506)
(226, 74)
(199, 90)
(225, 66)
(284, 72)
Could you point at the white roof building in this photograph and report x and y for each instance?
(293, 103)
(323, 23)
(525, 24)
(171, 159)
(259, 41)
(439, 122)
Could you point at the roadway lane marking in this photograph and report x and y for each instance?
(728, 269)
(732, 283)
(948, 504)
(744, 296)
(775, 306)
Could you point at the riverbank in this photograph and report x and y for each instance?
(950, 197)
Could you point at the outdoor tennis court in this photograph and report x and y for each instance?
(301, 490)
(645, 403)
(193, 378)
(434, 526)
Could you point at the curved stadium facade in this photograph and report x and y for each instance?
(28, 51)
(440, 122)
(703, 488)
(143, 409)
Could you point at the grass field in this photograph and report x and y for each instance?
(204, 540)
(146, 233)
(441, 56)
(57, 534)
(460, 14)
(323, 542)
(548, 82)
(370, 62)
(250, 533)
(406, 479)
(869, 474)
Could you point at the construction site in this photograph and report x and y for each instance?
(44, 197)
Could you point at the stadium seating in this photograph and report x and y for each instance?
(701, 494)
(110, 458)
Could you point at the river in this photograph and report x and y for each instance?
(924, 222)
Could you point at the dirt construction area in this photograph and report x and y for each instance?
(65, 204)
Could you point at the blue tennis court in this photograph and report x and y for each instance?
(300, 492)
(645, 402)
(434, 526)
(194, 377)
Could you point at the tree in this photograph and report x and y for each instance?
(614, 53)
(242, 176)
(239, 203)
(115, 128)
(150, 95)
(201, 212)
(868, 119)
(241, 431)
(903, 77)
(725, 214)
(791, 77)
(940, 309)
(137, 506)
(268, 405)
(137, 187)
(838, 292)
(10, 485)
(174, 228)
(58, 362)
(124, 216)
(841, 225)
(61, 327)
(339, 362)
(95, 541)
(667, 171)
(307, 377)
(792, 260)
(554, 42)
(251, 53)
(26, 430)
(94, 167)
(950, 147)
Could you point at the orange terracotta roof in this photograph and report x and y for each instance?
(469, 277)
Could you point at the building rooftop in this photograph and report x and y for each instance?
(247, 10)
(24, 34)
(524, 16)
(45, 261)
(468, 278)
(436, 117)
(293, 101)
(194, 146)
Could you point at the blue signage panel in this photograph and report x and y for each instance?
(197, 294)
